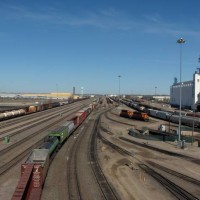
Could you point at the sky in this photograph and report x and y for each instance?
(48, 45)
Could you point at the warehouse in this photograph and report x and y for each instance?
(190, 93)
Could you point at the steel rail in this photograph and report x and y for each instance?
(107, 190)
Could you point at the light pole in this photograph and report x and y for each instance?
(119, 83)
(180, 41)
(57, 90)
(155, 90)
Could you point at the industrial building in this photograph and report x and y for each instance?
(190, 92)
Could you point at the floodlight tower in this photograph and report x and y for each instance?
(82, 89)
(180, 41)
(119, 83)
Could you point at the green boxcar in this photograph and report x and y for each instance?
(63, 131)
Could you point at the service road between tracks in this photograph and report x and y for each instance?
(72, 167)
(134, 182)
(9, 180)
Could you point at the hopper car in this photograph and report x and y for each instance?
(187, 119)
(109, 100)
(173, 117)
(34, 170)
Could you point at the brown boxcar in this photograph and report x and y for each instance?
(32, 109)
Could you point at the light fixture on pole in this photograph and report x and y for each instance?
(180, 41)
(119, 83)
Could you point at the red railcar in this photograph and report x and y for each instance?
(193, 115)
(33, 174)
(80, 116)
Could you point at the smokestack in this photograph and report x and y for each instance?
(74, 90)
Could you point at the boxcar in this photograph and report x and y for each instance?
(55, 104)
(32, 109)
(39, 108)
(81, 116)
(63, 132)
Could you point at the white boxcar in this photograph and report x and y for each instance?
(70, 126)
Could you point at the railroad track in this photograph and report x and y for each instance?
(153, 164)
(30, 136)
(5, 167)
(174, 173)
(176, 190)
(119, 122)
(36, 116)
(133, 120)
(12, 121)
(107, 190)
(149, 121)
(194, 160)
(35, 122)
(74, 188)
(28, 116)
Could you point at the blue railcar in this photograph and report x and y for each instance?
(51, 144)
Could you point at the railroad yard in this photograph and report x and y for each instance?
(103, 156)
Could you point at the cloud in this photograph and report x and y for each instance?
(109, 18)
(156, 25)
(111, 12)
(152, 18)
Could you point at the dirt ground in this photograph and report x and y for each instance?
(123, 171)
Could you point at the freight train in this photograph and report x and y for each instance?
(173, 117)
(35, 168)
(13, 113)
(134, 115)
(164, 115)
(32, 109)
(109, 100)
